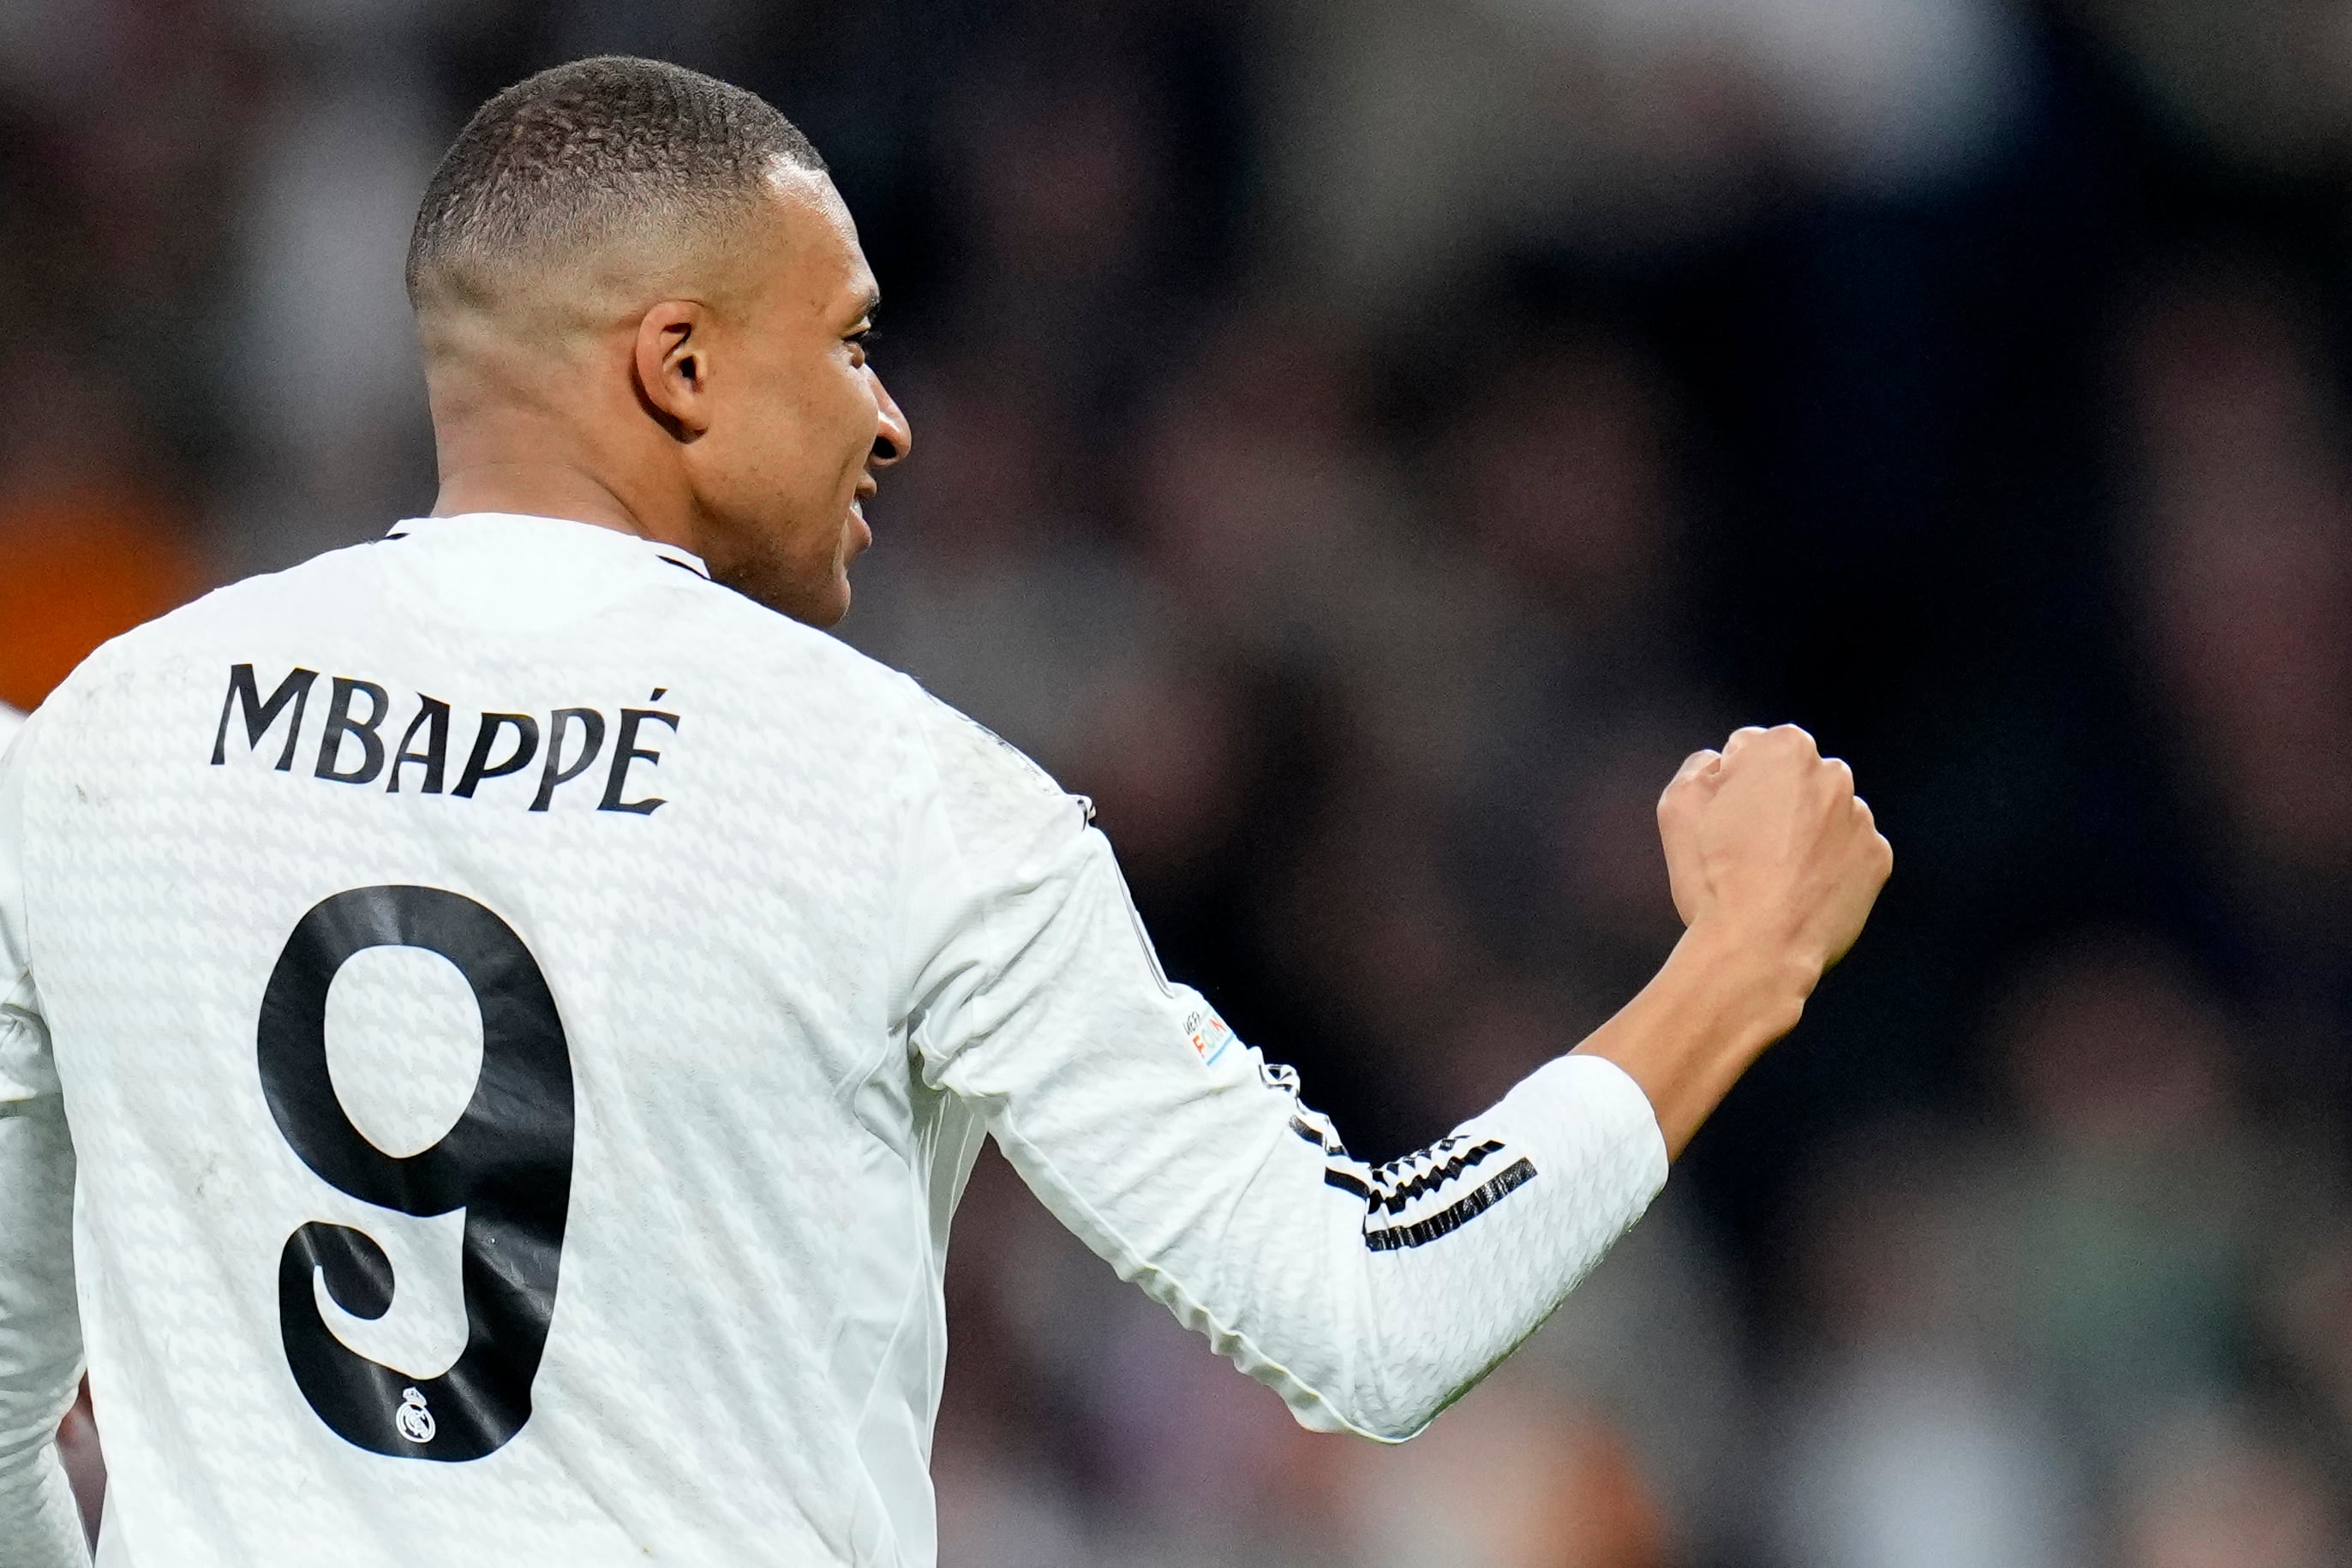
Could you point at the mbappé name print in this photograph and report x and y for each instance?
(354, 743)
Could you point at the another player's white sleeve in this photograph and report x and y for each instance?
(40, 1331)
(1370, 1298)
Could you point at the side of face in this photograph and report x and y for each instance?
(785, 421)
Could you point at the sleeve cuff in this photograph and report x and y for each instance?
(1584, 1117)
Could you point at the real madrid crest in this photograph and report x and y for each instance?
(414, 1421)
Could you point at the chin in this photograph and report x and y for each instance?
(819, 604)
(832, 613)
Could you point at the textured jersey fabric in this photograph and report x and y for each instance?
(524, 1016)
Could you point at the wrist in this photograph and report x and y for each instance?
(1723, 997)
(1749, 972)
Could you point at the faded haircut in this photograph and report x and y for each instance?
(585, 154)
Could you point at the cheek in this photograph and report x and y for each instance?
(768, 454)
(795, 453)
(822, 441)
(852, 419)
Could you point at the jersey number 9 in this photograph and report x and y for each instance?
(507, 1162)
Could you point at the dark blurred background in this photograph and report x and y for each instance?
(1365, 447)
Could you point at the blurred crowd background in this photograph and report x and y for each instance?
(1365, 447)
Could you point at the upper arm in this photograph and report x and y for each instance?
(40, 1340)
(1020, 941)
(24, 1071)
(1035, 998)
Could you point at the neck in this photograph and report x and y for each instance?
(487, 465)
(536, 487)
(508, 440)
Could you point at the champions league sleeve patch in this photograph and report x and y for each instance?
(1210, 1037)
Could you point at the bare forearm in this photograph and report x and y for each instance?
(1711, 1011)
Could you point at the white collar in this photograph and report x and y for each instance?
(669, 553)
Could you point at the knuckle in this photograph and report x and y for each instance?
(1693, 771)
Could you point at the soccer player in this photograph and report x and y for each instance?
(497, 1018)
(10, 721)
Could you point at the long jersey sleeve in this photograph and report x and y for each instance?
(1370, 1298)
(41, 1337)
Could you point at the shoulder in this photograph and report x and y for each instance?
(964, 753)
(777, 664)
(10, 722)
(996, 809)
(988, 788)
(292, 601)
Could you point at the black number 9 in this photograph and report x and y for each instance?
(507, 1162)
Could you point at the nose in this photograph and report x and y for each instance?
(894, 438)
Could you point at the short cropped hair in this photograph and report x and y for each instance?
(586, 152)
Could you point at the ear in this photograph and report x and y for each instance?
(673, 366)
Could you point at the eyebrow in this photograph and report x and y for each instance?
(873, 307)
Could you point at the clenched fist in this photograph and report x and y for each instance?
(1775, 862)
(1768, 844)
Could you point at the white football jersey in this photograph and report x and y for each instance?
(10, 722)
(523, 1014)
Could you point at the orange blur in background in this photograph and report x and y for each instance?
(78, 568)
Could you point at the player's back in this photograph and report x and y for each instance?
(471, 960)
